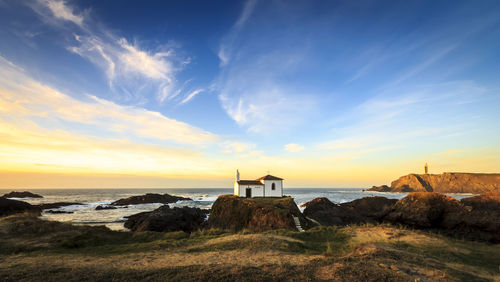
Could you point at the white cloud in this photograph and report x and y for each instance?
(237, 147)
(62, 11)
(191, 95)
(292, 147)
(22, 98)
(131, 69)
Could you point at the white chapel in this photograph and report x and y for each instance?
(266, 186)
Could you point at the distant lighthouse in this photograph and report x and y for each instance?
(426, 168)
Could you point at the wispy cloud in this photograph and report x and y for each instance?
(226, 47)
(131, 69)
(294, 148)
(62, 11)
(251, 86)
(191, 95)
(23, 97)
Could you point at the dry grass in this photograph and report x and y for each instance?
(355, 253)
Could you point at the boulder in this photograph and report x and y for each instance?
(372, 207)
(149, 199)
(486, 202)
(59, 212)
(101, 207)
(24, 194)
(256, 214)
(327, 213)
(8, 207)
(55, 205)
(426, 210)
(166, 219)
(382, 188)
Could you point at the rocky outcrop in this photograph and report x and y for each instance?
(101, 207)
(327, 213)
(439, 212)
(58, 212)
(166, 219)
(426, 210)
(24, 194)
(8, 207)
(55, 205)
(375, 208)
(485, 202)
(365, 210)
(256, 214)
(382, 188)
(149, 199)
(475, 218)
(448, 182)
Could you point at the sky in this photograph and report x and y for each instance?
(164, 94)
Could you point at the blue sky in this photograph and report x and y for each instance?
(323, 93)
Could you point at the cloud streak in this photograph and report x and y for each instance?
(23, 97)
(130, 69)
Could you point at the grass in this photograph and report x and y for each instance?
(31, 248)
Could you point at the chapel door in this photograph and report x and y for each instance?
(249, 193)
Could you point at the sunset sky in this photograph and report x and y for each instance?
(182, 93)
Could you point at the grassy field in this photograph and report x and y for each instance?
(33, 249)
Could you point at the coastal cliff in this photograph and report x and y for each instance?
(448, 182)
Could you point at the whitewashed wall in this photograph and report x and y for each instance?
(257, 190)
(273, 193)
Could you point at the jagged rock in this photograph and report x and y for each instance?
(8, 207)
(448, 182)
(480, 221)
(24, 194)
(256, 214)
(371, 207)
(166, 219)
(59, 212)
(328, 213)
(101, 207)
(56, 205)
(487, 201)
(149, 199)
(426, 210)
(382, 188)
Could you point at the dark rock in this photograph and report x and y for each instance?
(484, 202)
(8, 207)
(166, 219)
(426, 210)
(257, 214)
(479, 221)
(59, 212)
(327, 213)
(100, 207)
(149, 199)
(382, 188)
(24, 194)
(372, 207)
(56, 205)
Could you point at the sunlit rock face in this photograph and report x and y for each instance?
(448, 182)
(256, 214)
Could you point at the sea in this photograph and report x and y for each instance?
(203, 198)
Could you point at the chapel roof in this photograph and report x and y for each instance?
(269, 177)
(249, 182)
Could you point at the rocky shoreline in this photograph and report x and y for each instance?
(473, 218)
